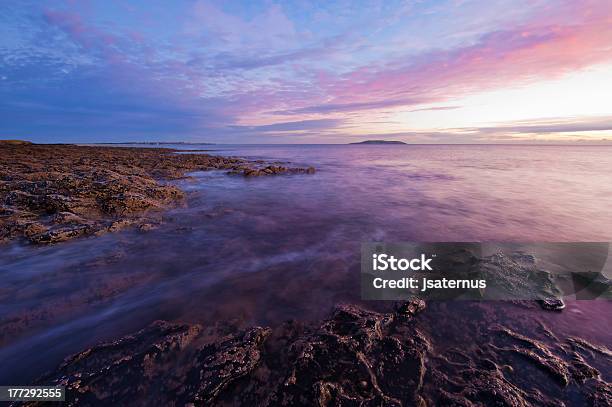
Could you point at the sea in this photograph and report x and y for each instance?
(263, 250)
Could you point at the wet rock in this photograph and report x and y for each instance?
(537, 353)
(61, 234)
(552, 304)
(33, 229)
(458, 378)
(597, 350)
(272, 170)
(356, 357)
(600, 394)
(410, 308)
(163, 364)
(353, 357)
(68, 218)
(490, 388)
(146, 227)
(110, 373)
(53, 193)
(221, 363)
(581, 370)
(516, 276)
(119, 225)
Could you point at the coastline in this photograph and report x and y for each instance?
(54, 193)
(368, 353)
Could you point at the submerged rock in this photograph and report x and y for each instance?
(517, 276)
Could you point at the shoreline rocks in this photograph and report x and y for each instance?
(355, 357)
(54, 193)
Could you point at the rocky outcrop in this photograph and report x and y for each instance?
(272, 170)
(221, 363)
(53, 193)
(356, 357)
(163, 364)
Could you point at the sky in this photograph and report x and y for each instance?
(443, 71)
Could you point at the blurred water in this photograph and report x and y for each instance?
(262, 250)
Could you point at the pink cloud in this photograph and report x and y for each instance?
(72, 24)
(565, 40)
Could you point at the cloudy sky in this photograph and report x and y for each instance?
(456, 71)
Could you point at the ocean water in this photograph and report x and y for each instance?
(264, 250)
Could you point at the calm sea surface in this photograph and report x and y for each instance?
(267, 249)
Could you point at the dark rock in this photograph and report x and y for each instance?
(410, 309)
(600, 394)
(517, 276)
(537, 353)
(354, 358)
(357, 357)
(221, 363)
(163, 364)
(552, 304)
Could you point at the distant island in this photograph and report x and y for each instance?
(379, 142)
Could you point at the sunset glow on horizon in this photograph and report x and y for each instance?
(455, 71)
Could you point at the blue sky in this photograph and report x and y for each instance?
(306, 72)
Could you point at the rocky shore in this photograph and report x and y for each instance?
(53, 193)
(359, 355)
(356, 357)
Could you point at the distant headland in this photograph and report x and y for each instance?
(15, 142)
(379, 142)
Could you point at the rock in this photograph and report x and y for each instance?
(145, 227)
(552, 304)
(355, 357)
(517, 276)
(581, 370)
(600, 394)
(68, 218)
(87, 189)
(537, 353)
(61, 234)
(32, 229)
(410, 309)
(163, 364)
(271, 170)
(221, 363)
